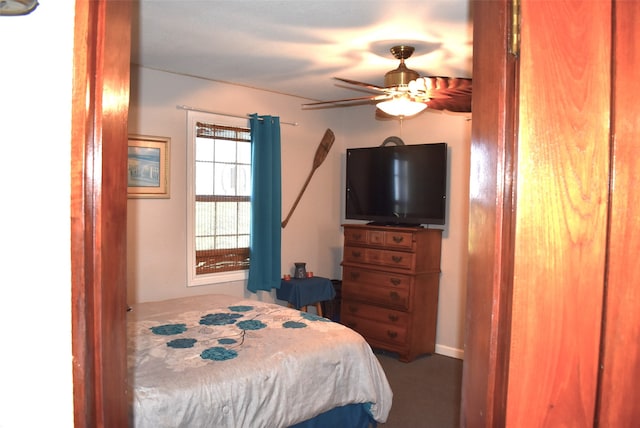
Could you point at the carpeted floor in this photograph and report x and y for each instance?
(426, 392)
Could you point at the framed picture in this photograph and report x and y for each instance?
(148, 167)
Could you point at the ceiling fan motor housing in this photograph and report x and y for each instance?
(401, 75)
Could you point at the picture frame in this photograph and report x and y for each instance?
(148, 166)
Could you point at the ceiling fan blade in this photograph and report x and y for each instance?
(443, 93)
(430, 87)
(461, 104)
(348, 100)
(363, 84)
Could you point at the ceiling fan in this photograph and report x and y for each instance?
(405, 93)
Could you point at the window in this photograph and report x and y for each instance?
(219, 198)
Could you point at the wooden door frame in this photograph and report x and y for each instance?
(491, 205)
(620, 350)
(102, 38)
(491, 309)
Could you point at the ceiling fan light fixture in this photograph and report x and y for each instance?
(401, 106)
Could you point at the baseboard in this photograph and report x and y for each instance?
(450, 352)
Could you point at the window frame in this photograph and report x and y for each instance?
(194, 279)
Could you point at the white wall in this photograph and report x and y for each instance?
(156, 228)
(36, 381)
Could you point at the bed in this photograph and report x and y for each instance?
(221, 361)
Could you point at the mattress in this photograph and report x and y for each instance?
(222, 361)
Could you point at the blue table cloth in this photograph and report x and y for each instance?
(307, 291)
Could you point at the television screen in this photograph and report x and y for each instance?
(397, 185)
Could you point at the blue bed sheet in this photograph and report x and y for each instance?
(350, 415)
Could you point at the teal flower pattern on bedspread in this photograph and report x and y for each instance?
(181, 343)
(218, 354)
(251, 325)
(220, 335)
(219, 319)
(169, 329)
(240, 308)
(294, 324)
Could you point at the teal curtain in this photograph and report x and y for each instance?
(266, 204)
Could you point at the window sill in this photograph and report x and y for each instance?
(218, 278)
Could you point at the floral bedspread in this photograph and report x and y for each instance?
(221, 361)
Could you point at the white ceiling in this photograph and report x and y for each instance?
(296, 47)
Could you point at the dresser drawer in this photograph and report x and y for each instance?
(400, 240)
(386, 296)
(375, 313)
(382, 238)
(394, 334)
(356, 236)
(377, 278)
(386, 258)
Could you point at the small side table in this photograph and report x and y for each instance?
(308, 291)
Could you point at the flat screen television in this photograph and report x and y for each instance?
(397, 185)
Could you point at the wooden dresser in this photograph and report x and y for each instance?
(390, 280)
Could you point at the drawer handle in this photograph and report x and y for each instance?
(356, 253)
(357, 236)
(353, 309)
(393, 318)
(392, 334)
(395, 281)
(396, 259)
(394, 295)
(355, 275)
(398, 239)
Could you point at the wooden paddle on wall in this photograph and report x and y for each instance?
(320, 156)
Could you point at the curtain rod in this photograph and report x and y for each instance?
(183, 107)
